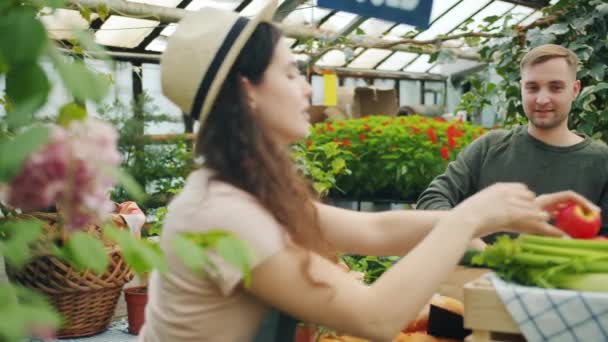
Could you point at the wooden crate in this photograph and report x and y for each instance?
(486, 315)
(461, 275)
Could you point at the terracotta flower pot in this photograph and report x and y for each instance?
(136, 298)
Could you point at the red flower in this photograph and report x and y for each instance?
(366, 127)
(346, 142)
(309, 143)
(337, 140)
(445, 152)
(362, 137)
(328, 127)
(385, 123)
(439, 119)
(415, 129)
(451, 131)
(430, 132)
(452, 142)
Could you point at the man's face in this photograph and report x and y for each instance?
(547, 92)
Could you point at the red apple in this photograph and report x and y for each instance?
(579, 222)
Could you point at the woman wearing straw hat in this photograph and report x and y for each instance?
(239, 78)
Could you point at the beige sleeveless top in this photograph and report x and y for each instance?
(185, 306)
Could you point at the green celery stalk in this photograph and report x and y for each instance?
(570, 243)
(561, 251)
(596, 282)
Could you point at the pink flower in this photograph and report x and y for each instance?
(71, 171)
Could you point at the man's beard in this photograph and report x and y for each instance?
(547, 123)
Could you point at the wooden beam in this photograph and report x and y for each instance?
(157, 30)
(400, 75)
(285, 9)
(536, 4)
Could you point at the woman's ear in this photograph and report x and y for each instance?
(249, 91)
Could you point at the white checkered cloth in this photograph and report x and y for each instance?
(555, 315)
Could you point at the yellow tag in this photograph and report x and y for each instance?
(330, 97)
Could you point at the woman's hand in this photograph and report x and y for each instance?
(553, 202)
(506, 207)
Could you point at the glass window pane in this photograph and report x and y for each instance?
(338, 21)
(421, 64)
(399, 31)
(374, 27)
(164, 3)
(306, 14)
(255, 7)
(517, 14)
(61, 22)
(124, 32)
(450, 68)
(397, 61)
(332, 58)
(450, 21)
(532, 18)
(369, 58)
(169, 30)
(159, 44)
(498, 8)
(229, 5)
(439, 7)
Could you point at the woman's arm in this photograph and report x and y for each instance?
(381, 310)
(377, 312)
(379, 233)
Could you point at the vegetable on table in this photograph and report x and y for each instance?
(547, 262)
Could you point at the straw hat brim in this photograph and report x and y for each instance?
(265, 15)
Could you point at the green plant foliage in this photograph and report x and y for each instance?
(161, 167)
(21, 309)
(380, 156)
(578, 25)
(371, 266)
(23, 45)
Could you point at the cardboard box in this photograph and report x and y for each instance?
(317, 114)
(361, 101)
(372, 101)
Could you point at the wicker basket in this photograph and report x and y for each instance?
(85, 300)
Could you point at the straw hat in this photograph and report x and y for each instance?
(200, 54)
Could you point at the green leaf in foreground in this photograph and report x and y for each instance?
(85, 252)
(16, 238)
(21, 309)
(141, 255)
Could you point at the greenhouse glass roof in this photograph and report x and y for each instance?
(149, 36)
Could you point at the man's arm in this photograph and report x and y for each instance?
(457, 182)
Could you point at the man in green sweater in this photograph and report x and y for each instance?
(545, 155)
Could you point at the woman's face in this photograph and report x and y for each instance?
(282, 99)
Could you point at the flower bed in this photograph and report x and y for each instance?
(382, 157)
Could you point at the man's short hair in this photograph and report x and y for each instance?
(543, 53)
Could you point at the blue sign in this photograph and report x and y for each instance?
(413, 12)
